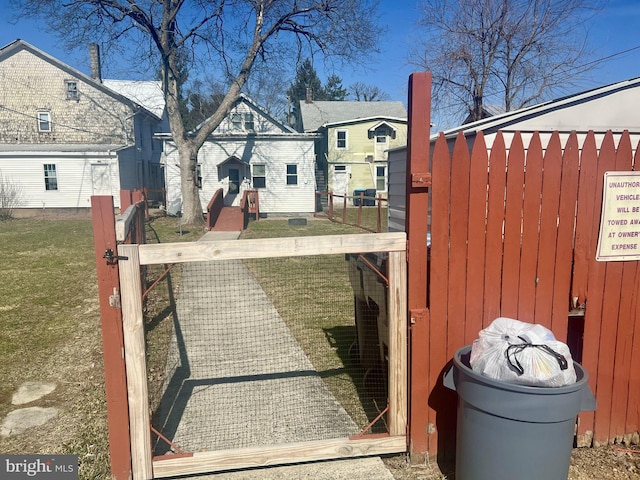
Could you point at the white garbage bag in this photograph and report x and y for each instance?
(522, 353)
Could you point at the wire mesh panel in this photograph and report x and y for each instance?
(271, 351)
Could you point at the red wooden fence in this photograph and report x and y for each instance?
(514, 234)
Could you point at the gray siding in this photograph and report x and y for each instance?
(397, 189)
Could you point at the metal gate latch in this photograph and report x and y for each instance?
(112, 259)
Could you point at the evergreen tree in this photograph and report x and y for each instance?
(333, 90)
(306, 78)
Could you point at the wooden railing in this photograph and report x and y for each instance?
(353, 215)
(214, 208)
(250, 205)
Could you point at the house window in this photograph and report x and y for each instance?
(72, 90)
(199, 176)
(236, 121)
(50, 177)
(382, 135)
(340, 168)
(292, 174)
(341, 139)
(248, 121)
(381, 179)
(44, 122)
(258, 173)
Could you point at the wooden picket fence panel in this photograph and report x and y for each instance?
(514, 232)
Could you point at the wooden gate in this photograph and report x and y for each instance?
(513, 233)
(132, 259)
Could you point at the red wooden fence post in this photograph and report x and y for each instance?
(418, 181)
(104, 235)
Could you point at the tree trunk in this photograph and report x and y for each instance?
(191, 206)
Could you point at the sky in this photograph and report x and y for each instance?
(614, 34)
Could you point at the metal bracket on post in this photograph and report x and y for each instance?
(418, 315)
(114, 300)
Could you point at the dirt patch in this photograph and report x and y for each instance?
(611, 462)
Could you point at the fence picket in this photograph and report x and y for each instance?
(478, 175)
(566, 215)
(632, 422)
(548, 230)
(621, 365)
(530, 225)
(439, 278)
(495, 215)
(583, 250)
(513, 228)
(458, 228)
(594, 320)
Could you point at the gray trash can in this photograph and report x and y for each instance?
(509, 431)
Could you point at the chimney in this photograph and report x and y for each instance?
(94, 55)
(309, 95)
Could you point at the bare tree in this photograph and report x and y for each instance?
(367, 93)
(230, 36)
(510, 53)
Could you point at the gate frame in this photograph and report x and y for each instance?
(133, 257)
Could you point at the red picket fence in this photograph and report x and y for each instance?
(514, 233)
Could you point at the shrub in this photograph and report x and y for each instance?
(11, 196)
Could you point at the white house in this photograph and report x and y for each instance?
(65, 136)
(612, 107)
(249, 150)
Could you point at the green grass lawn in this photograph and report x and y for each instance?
(50, 325)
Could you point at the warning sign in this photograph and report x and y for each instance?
(620, 222)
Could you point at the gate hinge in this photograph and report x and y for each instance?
(418, 315)
(114, 300)
(112, 258)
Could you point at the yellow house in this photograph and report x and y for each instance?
(351, 154)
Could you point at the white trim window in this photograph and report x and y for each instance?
(44, 121)
(259, 175)
(341, 139)
(71, 88)
(248, 122)
(292, 174)
(382, 135)
(236, 121)
(50, 177)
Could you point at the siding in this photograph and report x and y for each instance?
(29, 84)
(277, 197)
(73, 172)
(397, 185)
(359, 147)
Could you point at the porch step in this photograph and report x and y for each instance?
(229, 220)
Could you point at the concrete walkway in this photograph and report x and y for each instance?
(233, 368)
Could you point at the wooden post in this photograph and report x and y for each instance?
(104, 237)
(133, 326)
(344, 208)
(379, 229)
(397, 301)
(418, 181)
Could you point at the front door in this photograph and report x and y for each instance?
(340, 183)
(234, 181)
